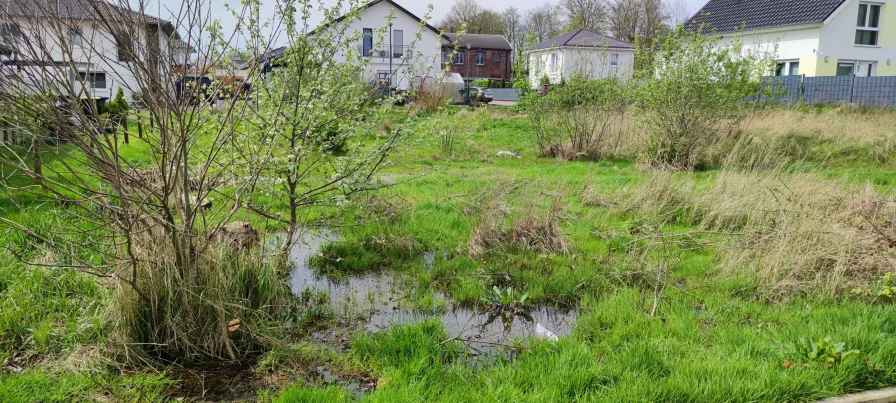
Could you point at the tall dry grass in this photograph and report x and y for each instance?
(432, 96)
(842, 133)
(791, 233)
(770, 138)
(228, 309)
(500, 227)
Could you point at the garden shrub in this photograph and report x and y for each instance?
(695, 96)
(577, 120)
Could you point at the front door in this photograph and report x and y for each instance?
(866, 69)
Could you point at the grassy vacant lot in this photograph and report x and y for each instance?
(760, 277)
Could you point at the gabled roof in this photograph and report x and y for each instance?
(373, 3)
(583, 38)
(84, 10)
(480, 41)
(726, 16)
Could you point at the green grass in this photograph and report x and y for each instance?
(713, 338)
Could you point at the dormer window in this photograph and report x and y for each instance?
(869, 24)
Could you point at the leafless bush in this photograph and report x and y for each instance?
(578, 120)
(149, 216)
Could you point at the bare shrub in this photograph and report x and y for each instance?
(142, 215)
(696, 96)
(578, 120)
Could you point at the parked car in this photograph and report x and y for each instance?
(484, 95)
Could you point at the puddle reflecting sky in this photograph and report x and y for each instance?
(381, 299)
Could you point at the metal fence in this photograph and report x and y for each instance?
(878, 92)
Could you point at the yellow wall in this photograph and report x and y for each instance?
(808, 66)
(888, 27)
(828, 68)
(817, 67)
(884, 70)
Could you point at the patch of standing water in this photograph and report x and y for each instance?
(380, 301)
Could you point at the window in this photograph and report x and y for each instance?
(459, 58)
(444, 57)
(123, 43)
(614, 60)
(496, 57)
(76, 36)
(845, 69)
(869, 24)
(787, 68)
(480, 59)
(554, 59)
(367, 42)
(397, 43)
(96, 80)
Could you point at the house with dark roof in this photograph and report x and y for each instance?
(96, 62)
(477, 56)
(580, 53)
(810, 37)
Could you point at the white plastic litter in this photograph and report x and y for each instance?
(543, 333)
(508, 154)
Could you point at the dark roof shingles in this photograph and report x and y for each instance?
(583, 38)
(726, 16)
(480, 41)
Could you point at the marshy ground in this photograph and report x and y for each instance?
(762, 276)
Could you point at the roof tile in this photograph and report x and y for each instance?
(583, 38)
(726, 16)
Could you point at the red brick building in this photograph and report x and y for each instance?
(478, 56)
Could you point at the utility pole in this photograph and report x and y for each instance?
(467, 78)
(391, 54)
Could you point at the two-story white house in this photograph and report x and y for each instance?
(386, 34)
(813, 37)
(71, 39)
(580, 53)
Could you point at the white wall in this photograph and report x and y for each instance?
(833, 40)
(427, 50)
(98, 53)
(792, 43)
(592, 62)
(838, 34)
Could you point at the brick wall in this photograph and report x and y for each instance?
(499, 70)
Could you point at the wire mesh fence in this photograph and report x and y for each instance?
(876, 92)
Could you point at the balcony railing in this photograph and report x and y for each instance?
(385, 52)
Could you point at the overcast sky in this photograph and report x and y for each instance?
(418, 7)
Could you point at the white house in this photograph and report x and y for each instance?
(813, 37)
(386, 34)
(580, 53)
(68, 36)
